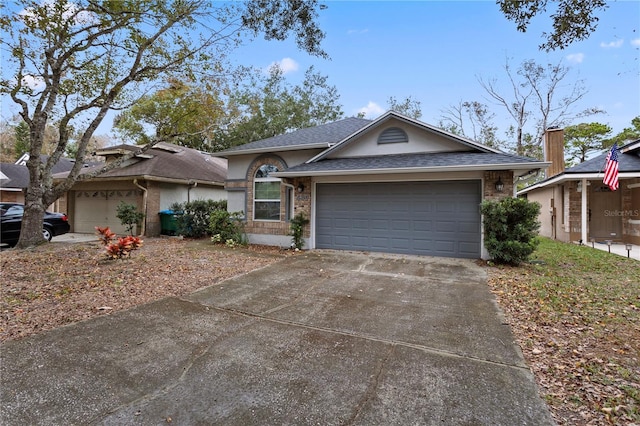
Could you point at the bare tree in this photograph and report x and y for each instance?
(516, 104)
(474, 115)
(536, 98)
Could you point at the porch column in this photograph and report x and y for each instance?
(584, 210)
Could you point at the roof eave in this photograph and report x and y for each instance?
(526, 167)
(226, 154)
(566, 177)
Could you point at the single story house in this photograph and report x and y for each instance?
(578, 206)
(152, 181)
(393, 184)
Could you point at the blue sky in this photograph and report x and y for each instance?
(434, 51)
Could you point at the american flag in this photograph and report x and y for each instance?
(611, 168)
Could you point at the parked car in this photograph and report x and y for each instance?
(11, 222)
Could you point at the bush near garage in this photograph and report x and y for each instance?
(510, 229)
(192, 218)
(227, 228)
(129, 216)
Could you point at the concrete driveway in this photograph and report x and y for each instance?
(322, 338)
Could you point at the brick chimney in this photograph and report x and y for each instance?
(554, 150)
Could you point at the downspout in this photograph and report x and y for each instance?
(144, 205)
(192, 184)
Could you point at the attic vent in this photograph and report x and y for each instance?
(393, 135)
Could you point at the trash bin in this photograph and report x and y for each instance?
(168, 225)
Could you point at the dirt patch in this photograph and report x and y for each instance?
(61, 283)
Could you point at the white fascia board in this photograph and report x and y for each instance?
(562, 178)
(271, 150)
(483, 167)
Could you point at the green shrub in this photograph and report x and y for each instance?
(192, 218)
(129, 216)
(510, 229)
(225, 226)
(297, 229)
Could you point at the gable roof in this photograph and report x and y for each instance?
(322, 136)
(165, 161)
(628, 166)
(411, 121)
(414, 162)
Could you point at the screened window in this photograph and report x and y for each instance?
(266, 194)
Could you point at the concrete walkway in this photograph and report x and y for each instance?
(618, 248)
(330, 338)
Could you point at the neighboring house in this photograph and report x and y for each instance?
(15, 179)
(13, 182)
(393, 184)
(578, 206)
(152, 181)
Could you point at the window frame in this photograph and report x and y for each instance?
(266, 170)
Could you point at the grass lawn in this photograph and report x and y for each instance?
(576, 314)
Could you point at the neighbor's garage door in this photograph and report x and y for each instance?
(425, 218)
(98, 208)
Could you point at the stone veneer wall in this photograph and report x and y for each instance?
(575, 210)
(152, 219)
(631, 205)
(490, 179)
(265, 227)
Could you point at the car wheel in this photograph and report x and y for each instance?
(47, 234)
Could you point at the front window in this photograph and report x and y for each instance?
(266, 194)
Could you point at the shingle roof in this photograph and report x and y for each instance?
(413, 161)
(18, 174)
(627, 162)
(327, 134)
(170, 162)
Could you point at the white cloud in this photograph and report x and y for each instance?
(575, 58)
(364, 31)
(34, 83)
(613, 44)
(372, 110)
(635, 42)
(287, 65)
(69, 10)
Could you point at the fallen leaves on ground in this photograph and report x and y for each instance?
(576, 316)
(61, 283)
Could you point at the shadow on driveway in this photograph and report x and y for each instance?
(331, 338)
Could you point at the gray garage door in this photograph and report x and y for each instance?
(425, 218)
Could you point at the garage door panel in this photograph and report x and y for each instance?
(99, 208)
(428, 218)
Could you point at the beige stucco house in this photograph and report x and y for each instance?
(393, 184)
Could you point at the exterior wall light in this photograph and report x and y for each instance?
(300, 188)
(499, 185)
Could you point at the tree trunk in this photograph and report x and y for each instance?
(31, 231)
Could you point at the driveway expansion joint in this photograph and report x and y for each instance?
(368, 337)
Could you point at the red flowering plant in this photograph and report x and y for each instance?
(121, 247)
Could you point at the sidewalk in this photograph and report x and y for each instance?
(617, 248)
(73, 237)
